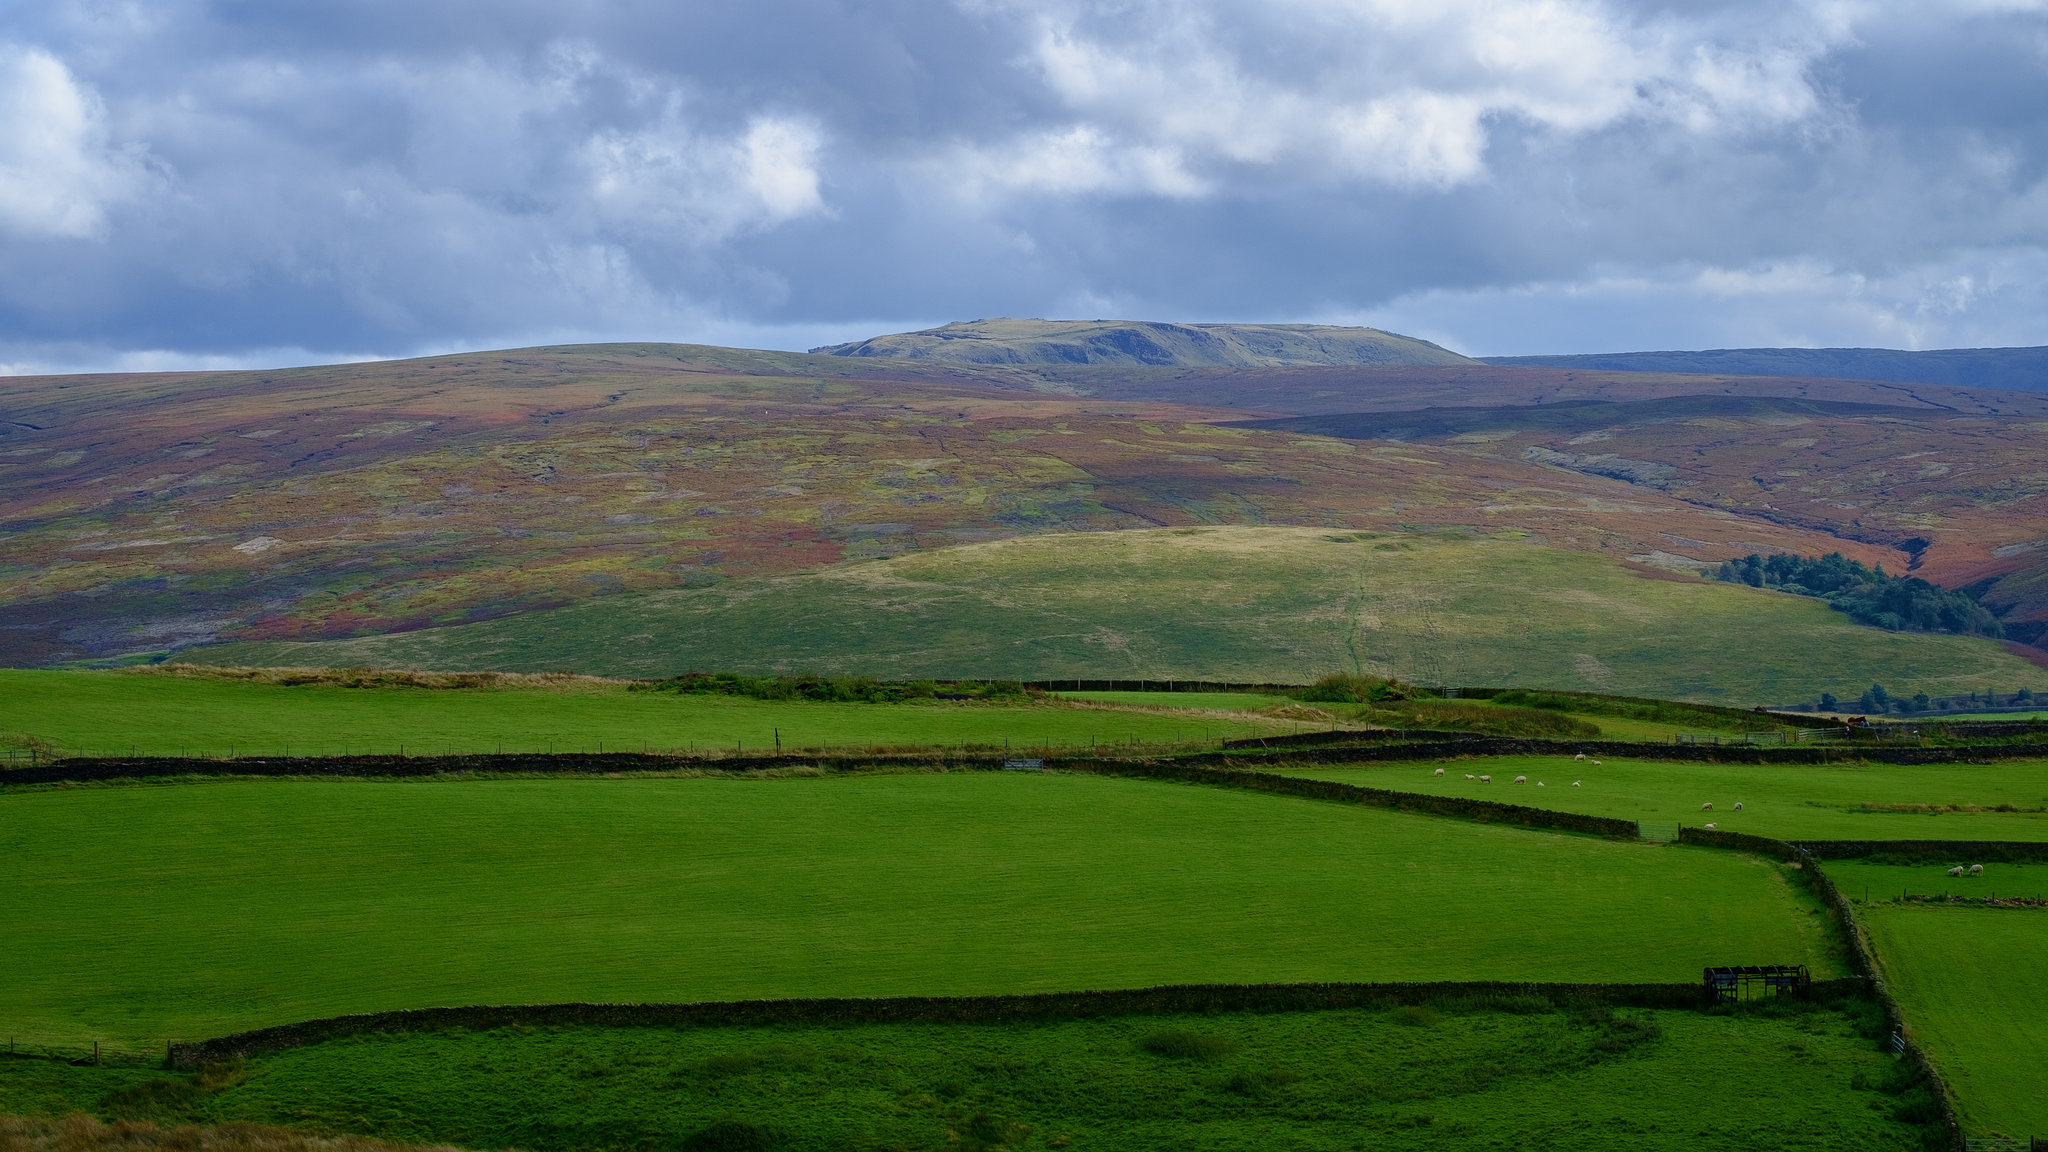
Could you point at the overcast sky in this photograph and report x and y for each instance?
(248, 182)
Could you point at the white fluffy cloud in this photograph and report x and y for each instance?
(58, 171)
(1402, 92)
(353, 177)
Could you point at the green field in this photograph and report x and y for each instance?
(139, 912)
(1244, 604)
(1970, 982)
(1418, 1079)
(107, 713)
(1788, 801)
(1863, 880)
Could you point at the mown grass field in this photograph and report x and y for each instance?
(1788, 801)
(1425, 1078)
(108, 713)
(138, 913)
(1970, 982)
(1221, 603)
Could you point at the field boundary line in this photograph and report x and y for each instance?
(1365, 746)
(1454, 807)
(1988, 851)
(1177, 999)
(1862, 957)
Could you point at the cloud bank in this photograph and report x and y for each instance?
(230, 182)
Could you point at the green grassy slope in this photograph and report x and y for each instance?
(140, 913)
(1970, 981)
(1306, 1081)
(1788, 801)
(1256, 604)
(107, 713)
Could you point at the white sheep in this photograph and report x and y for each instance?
(1575, 783)
(1470, 776)
(1521, 779)
(1976, 869)
(1539, 783)
(1596, 763)
(1707, 807)
(1580, 756)
(1956, 871)
(1439, 771)
(1486, 779)
(1738, 805)
(1710, 827)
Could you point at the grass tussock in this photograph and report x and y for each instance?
(1187, 1044)
(373, 677)
(81, 1133)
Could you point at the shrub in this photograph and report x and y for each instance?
(1343, 689)
(1183, 1044)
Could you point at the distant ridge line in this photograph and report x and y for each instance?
(2013, 369)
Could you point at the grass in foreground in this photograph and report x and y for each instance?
(79, 1132)
(1221, 603)
(1789, 801)
(1423, 1077)
(107, 713)
(1970, 983)
(138, 913)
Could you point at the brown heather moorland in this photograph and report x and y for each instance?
(147, 512)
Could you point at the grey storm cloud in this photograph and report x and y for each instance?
(189, 183)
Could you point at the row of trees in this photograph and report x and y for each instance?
(1866, 595)
(1876, 701)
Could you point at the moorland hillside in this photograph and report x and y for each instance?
(2020, 369)
(1244, 604)
(1007, 341)
(150, 512)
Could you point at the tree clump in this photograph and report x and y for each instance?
(1866, 595)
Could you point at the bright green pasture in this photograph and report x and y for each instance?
(1970, 982)
(1245, 604)
(1390, 1080)
(102, 713)
(136, 913)
(1790, 801)
(1860, 879)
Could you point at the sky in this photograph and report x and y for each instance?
(255, 182)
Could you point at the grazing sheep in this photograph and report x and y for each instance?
(1710, 827)
(1521, 779)
(1707, 807)
(1539, 783)
(1575, 783)
(1956, 871)
(1439, 771)
(1738, 805)
(1486, 779)
(1470, 776)
(1976, 869)
(1580, 756)
(1596, 763)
